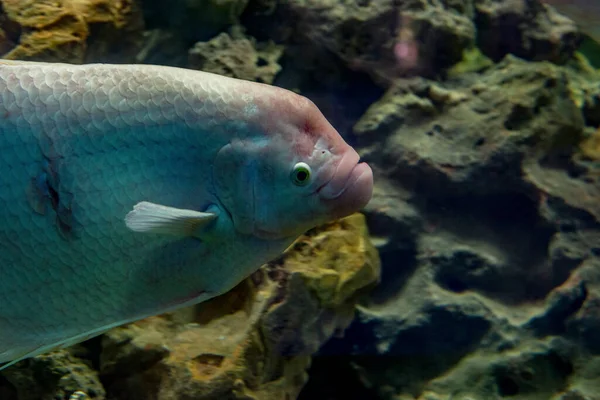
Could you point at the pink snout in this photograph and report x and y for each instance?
(350, 189)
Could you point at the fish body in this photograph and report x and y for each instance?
(131, 190)
(585, 13)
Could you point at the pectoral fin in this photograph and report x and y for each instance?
(148, 217)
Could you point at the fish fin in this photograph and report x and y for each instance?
(78, 338)
(148, 217)
(16, 360)
(22, 355)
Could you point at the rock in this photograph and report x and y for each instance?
(256, 341)
(533, 370)
(562, 303)
(423, 125)
(237, 56)
(443, 31)
(467, 178)
(193, 20)
(365, 34)
(70, 30)
(162, 47)
(526, 29)
(584, 324)
(481, 124)
(51, 376)
(485, 219)
(371, 36)
(403, 341)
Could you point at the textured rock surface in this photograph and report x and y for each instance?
(487, 204)
(256, 341)
(237, 56)
(527, 29)
(51, 376)
(364, 33)
(485, 214)
(194, 20)
(69, 30)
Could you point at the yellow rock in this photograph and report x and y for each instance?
(590, 146)
(58, 30)
(256, 341)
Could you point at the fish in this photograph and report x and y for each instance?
(585, 13)
(127, 191)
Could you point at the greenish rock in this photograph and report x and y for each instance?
(473, 61)
(55, 375)
(194, 20)
(591, 49)
(486, 218)
(235, 55)
(255, 342)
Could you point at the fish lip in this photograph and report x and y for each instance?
(354, 176)
(337, 181)
(354, 196)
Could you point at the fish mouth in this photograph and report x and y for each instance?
(335, 184)
(350, 189)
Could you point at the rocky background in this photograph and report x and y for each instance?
(478, 276)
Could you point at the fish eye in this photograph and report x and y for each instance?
(301, 174)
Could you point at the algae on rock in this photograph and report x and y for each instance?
(237, 56)
(256, 341)
(60, 30)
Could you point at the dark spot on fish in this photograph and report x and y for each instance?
(45, 190)
(64, 223)
(53, 194)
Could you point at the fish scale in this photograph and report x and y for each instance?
(97, 176)
(83, 147)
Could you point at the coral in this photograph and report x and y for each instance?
(487, 223)
(60, 30)
(526, 29)
(590, 147)
(256, 341)
(55, 375)
(481, 122)
(473, 61)
(194, 20)
(365, 34)
(237, 56)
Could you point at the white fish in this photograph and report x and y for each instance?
(131, 190)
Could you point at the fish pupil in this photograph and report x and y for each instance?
(302, 176)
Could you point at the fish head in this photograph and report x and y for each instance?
(290, 174)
